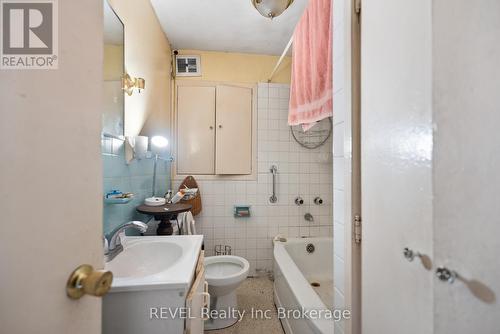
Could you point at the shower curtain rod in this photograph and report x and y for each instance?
(281, 59)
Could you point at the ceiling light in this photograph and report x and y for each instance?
(271, 8)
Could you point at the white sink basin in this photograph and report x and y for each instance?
(143, 259)
(154, 262)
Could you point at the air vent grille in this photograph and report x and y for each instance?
(188, 66)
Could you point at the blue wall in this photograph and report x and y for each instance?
(137, 177)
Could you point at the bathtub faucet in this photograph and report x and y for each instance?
(309, 217)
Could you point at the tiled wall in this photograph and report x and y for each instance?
(137, 177)
(341, 150)
(303, 172)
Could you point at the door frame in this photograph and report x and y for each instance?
(356, 247)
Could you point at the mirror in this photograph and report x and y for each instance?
(114, 63)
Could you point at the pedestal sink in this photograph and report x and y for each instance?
(151, 272)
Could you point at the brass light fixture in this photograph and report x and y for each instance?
(129, 84)
(271, 8)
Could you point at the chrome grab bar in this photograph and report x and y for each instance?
(274, 171)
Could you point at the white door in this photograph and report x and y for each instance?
(234, 130)
(196, 130)
(466, 80)
(396, 134)
(51, 181)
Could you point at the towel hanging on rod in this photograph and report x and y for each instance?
(311, 85)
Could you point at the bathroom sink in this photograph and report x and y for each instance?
(145, 258)
(154, 262)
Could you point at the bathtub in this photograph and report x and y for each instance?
(295, 272)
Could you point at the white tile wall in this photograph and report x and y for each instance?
(300, 172)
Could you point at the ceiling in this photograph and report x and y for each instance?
(226, 25)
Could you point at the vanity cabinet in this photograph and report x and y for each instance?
(214, 129)
(167, 302)
(197, 299)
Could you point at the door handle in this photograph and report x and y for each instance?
(84, 280)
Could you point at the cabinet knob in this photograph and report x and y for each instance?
(211, 127)
(220, 126)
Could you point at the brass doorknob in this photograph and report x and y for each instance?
(86, 280)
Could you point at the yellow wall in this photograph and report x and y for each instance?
(239, 67)
(147, 55)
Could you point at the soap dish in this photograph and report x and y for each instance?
(241, 211)
(111, 200)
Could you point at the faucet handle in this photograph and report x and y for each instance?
(141, 226)
(120, 237)
(105, 245)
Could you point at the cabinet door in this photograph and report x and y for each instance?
(197, 300)
(234, 130)
(195, 130)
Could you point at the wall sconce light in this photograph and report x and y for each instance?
(159, 142)
(129, 84)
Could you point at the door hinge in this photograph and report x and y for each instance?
(357, 6)
(357, 229)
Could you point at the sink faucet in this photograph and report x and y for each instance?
(115, 246)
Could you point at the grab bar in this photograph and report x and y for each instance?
(273, 170)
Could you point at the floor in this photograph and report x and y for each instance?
(256, 293)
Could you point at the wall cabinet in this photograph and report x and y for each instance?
(196, 130)
(214, 129)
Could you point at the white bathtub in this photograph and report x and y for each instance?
(294, 271)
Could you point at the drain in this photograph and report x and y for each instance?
(310, 248)
(315, 284)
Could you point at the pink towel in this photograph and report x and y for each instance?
(311, 86)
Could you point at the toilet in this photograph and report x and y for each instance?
(224, 273)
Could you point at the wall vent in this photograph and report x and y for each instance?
(188, 66)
